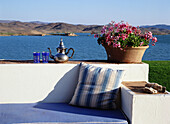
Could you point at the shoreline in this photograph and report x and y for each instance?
(54, 34)
(43, 34)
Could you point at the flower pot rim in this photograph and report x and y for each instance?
(139, 47)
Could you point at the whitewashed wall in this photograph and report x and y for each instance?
(28, 83)
(145, 108)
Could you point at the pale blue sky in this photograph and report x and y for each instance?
(136, 12)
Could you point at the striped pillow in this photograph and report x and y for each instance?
(97, 87)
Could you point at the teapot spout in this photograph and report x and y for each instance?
(51, 56)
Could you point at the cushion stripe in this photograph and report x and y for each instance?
(118, 78)
(98, 88)
(115, 87)
(106, 77)
(84, 76)
(92, 87)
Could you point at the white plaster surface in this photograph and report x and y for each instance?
(29, 83)
(146, 108)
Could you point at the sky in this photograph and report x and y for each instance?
(101, 12)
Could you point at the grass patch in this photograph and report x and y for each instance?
(159, 72)
(7, 33)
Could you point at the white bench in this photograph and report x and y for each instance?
(55, 83)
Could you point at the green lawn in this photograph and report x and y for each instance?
(159, 72)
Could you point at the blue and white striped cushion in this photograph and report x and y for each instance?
(97, 87)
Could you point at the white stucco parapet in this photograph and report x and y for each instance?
(29, 83)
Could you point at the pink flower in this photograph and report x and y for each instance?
(108, 34)
(113, 22)
(96, 35)
(116, 38)
(122, 29)
(115, 44)
(138, 31)
(103, 31)
(112, 38)
(116, 25)
(118, 45)
(149, 35)
(111, 29)
(154, 39)
(145, 36)
(117, 30)
(134, 28)
(104, 27)
(109, 43)
(123, 37)
(141, 43)
(127, 24)
(108, 38)
(124, 25)
(129, 30)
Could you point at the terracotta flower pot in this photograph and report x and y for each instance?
(128, 55)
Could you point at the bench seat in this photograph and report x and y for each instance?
(57, 113)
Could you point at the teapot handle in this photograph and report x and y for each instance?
(72, 52)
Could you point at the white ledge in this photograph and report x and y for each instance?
(145, 108)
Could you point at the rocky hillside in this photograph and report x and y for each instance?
(36, 28)
(161, 26)
(24, 28)
(156, 31)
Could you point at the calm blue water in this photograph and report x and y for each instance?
(85, 45)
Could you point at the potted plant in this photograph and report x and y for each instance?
(124, 43)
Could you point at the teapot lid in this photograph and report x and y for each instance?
(61, 45)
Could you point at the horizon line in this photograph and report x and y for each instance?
(45, 22)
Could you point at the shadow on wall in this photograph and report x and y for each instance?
(64, 88)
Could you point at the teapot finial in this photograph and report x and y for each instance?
(61, 46)
(61, 39)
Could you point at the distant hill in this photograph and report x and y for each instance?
(38, 22)
(160, 29)
(24, 28)
(6, 21)
(161, 26)
(10, 27)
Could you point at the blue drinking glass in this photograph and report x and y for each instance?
(45, 57)
(36, 57)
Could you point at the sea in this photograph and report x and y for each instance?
(85, 46)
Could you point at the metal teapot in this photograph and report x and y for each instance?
(61, 55)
